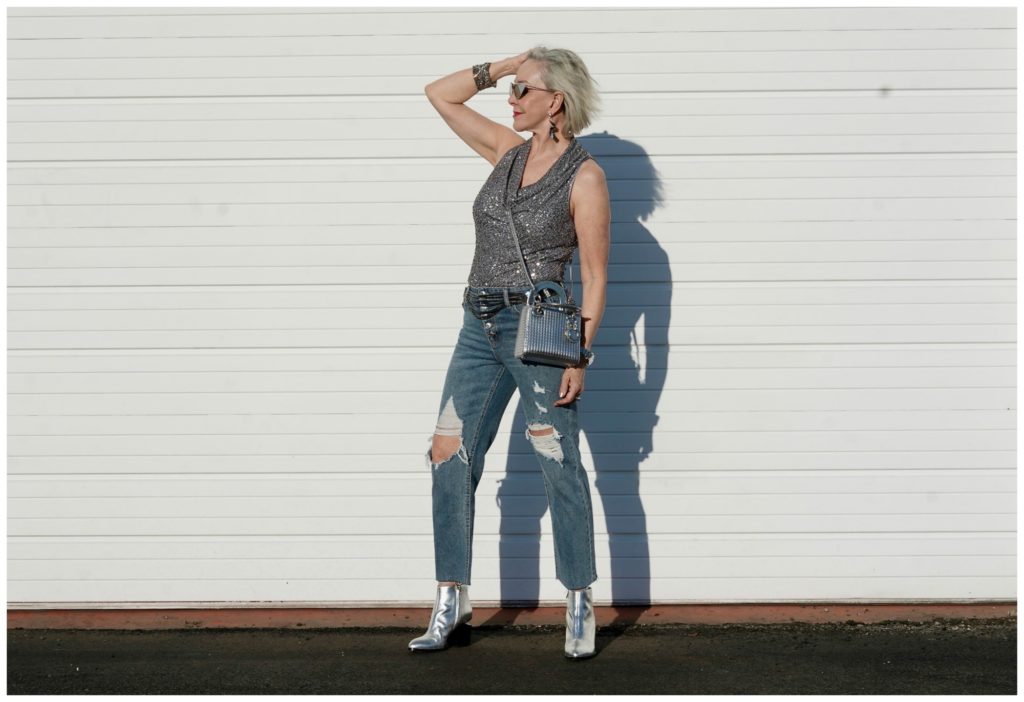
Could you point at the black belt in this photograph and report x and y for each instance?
(484, 305)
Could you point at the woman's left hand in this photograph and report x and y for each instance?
(571, 387)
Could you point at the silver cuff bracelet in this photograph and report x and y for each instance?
(482, 76)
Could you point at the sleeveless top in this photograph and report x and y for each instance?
(546, 230)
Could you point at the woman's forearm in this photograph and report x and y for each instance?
(592, 308)
(460, 86)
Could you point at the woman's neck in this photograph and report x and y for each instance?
(544, 144)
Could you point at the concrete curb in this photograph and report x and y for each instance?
(416, 617)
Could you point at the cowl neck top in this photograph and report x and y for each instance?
(547, 233)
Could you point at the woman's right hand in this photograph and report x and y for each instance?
(514, 62)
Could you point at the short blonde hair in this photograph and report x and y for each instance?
(563, 70)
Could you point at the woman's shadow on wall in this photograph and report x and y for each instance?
(619, 414)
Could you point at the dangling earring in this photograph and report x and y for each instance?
(554, 128)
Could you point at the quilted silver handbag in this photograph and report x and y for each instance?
(550, 325)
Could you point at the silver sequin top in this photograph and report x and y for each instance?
(546, 230)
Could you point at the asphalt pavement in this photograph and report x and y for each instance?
(939, 657)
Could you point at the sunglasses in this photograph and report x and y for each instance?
(518, 90)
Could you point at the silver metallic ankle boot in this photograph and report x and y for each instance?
(449, 622)
(580, 624)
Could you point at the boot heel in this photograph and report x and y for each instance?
(461, 635)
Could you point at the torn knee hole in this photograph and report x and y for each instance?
(447, 441)
(444, 447)
(546, 441)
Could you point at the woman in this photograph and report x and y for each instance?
(559, 200)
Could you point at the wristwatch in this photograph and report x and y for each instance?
(586, 357)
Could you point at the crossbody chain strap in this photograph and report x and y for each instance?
(522, 258)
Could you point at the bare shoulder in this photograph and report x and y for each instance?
(590, 186)
(591, 175)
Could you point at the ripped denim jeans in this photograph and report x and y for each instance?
(482, 376)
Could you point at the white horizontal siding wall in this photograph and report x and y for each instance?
(237, 239)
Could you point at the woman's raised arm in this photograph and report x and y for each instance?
(485, 136)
